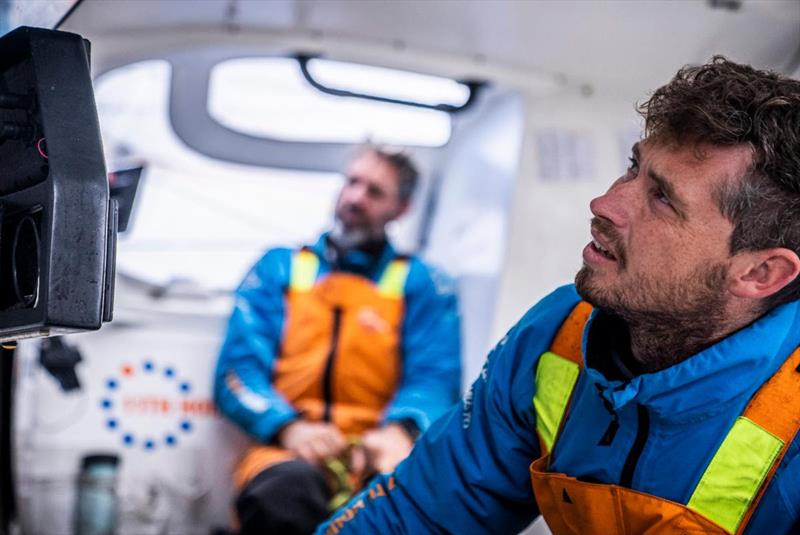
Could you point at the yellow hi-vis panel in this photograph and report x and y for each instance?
(735, 474)
(305, 265)
(393, 280)
(555, 379)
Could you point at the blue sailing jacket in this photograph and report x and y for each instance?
(469, 473)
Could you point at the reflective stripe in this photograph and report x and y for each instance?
(393, 280)
(735, 474)
(774, 408)
(555, 379)
(305, 265)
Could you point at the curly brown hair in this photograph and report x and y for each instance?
(726, 103)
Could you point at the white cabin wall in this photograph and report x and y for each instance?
(549, 222)
(467, 233)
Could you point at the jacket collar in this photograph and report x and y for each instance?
(707, 382)
(368, 264)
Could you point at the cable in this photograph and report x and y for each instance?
(42, 152)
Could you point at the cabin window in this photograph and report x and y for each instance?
(270, 97)
(197, 220)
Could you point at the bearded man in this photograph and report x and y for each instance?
(344, 342)
(660, 394)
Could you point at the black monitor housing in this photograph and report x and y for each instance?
(57, 226)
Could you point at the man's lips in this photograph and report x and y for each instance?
(597, 250)
(597, 244)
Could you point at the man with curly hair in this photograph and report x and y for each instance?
(660, 393)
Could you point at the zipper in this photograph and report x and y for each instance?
(642, 432)
(327, 378)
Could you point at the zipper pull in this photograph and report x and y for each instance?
(611, 432)
(613, 426)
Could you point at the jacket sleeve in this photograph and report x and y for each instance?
(469, 473)
(431, 376)
(242, 380)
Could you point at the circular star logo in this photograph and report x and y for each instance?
(148, 406)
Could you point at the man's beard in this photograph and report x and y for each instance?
(347, 239)
(669, 319)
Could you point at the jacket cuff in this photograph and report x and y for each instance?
(266, 430)
(409, 426)
(415, 417)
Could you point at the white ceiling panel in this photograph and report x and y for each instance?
(615, 46)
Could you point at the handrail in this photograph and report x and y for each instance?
(473, 86)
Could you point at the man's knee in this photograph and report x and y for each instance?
(290, 497)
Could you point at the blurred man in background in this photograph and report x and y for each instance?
(661, 392)
(337, 356)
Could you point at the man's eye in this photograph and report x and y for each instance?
(660, 196)
(632, 171)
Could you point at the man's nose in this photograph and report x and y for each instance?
(616, 204)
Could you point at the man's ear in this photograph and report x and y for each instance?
(759, 274)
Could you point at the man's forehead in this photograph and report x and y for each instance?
(369, 165)
(713, 163)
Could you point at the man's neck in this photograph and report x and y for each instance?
(357, 256)
(658, 343)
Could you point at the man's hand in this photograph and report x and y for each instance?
(387, 446)
(312, 441)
